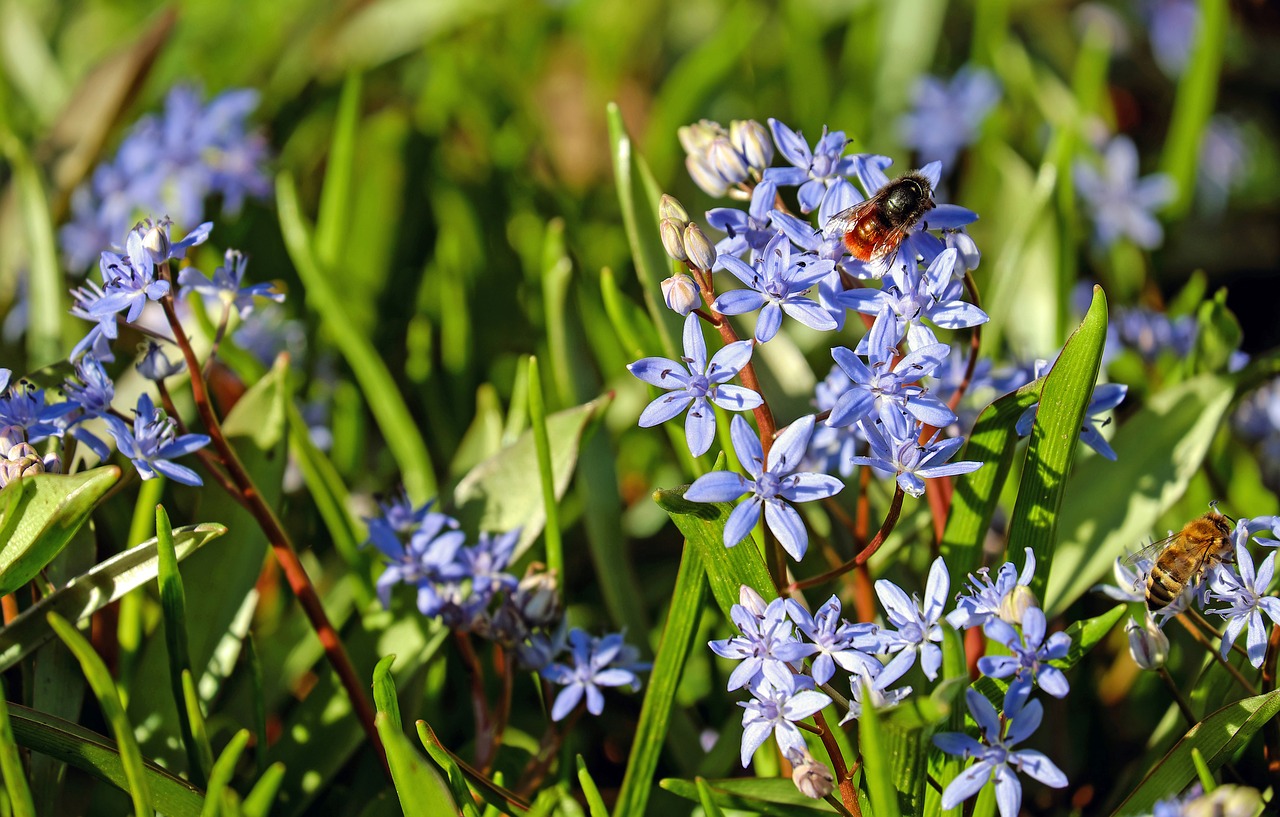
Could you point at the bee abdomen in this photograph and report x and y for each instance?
(1162, 588)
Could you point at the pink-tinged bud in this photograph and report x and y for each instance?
(752, 140)
(672, 233)
(1148, 644)
(1015, 603)
(812, 777)
(1228, 800)
(22, 461)
(681, 294)
(670, 207)
(702, 255)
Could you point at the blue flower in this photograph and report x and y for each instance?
(695, 383)
(463, 600)
(1244, 591)
(780, 699)
(835, 641)
(917, 630)
(1121, 204)
(1029, 663)
(156, 365)
(1224, 160)
(92, 392)
(815, 171)
(777, 284)
(746, 230)
(152, 443)
(946, 116)
(897, 450)
(871, 688)
(1130, 581)
(912, 297)
(1150, 333)
(22, 405)
(766, 637)
(430, 556)
(170, 164)
(989, 599)
(883, 389)
(1172, 25)
(226, 284)
(593, 667)
(774, 484)
(995, 754)
(128, 281)
(832, 449)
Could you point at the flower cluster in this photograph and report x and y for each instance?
(787, 658)
(469, 589)
(170, 164)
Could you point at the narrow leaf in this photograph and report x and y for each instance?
(590, 793)
(421, 791)
(15, 777)
(1087, 633)
(546, 472)
(877, 766)
(257, 803)
(775, 796)
(384, 690)
(220, 775)
(173, 602)
(1192, 107)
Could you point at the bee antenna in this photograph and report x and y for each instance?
(1214, 505)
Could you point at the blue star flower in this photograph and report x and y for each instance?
(1245, 592)
(1121, 204)
(1032, 652)
(917, 630)
(777, 284)
(92, 392)
(22, 405)
(871, 688)
(152, 443)
(226, 284)
(431, 555)
(835, 641)
(989, 599)
(896, 449)
(746, 230)
(156, 365)
(1105, 398)
(814, 171)
(831, 450)
(766, 637)
(773, 485)
(780, 699)
(98, 340)
(128, 280)
(995, 753)
(946, 115)
(593, 667)
(694, 383)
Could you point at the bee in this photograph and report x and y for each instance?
(874, 229)
(1181, 560)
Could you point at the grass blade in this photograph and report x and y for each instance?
(220, 775)
(99, 678)
(173, 601)
(15, 777)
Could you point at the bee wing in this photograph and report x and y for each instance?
(845, 220)
(888, 245)
(1148, 553)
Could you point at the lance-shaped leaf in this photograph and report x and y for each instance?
(41, 514)
(757, 795)
(102, 585)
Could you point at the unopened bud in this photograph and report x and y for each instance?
(966, 249)
(1227, 800)
(52, 463)
(670, 207)
(705, 177)
(156, 240)
(681, 294)
(702, 255)
(812, 777)
(697, 138)
(1148, 644)
(1015, 603)
(752, 141)
(673, 239)
(537, 597)
(727, 161)
(505, 627)
(22, 461)
(11, 436)
(155, 364)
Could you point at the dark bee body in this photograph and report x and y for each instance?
(875, 228)
(1184, 557)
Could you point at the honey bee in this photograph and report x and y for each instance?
(874, 229)
(1181, 560)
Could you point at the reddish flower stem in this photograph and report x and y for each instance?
(890, 521)
(276, 535)
(485, 748)
(848, 794)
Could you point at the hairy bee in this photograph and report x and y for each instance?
(1181, 560)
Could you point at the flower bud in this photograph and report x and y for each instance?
(155, 239)
(696, 138)
(22, 461)
(11, 436)
(702, 255)
(705, 177)
(812, 777)
(966, 249)
(537, 597)
(1227, 800)
(1148, 644)
(1015, 604)
(155, 364)
(751, 139)
(727, 161)
(52, 463)
(670, 207)
(681, 294)
(673, 239)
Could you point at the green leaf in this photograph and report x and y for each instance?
(99, 757)
(664, 679)
(1087, 633)
(102, 585)
(384, 690)
(546, 472)
(46, 286)
(260, 413)
(1217, 737)
(99, 678)
(383, 397)
(494, 794)
(877, 763)
(15, 777)
(41, 514)
(976, 494)
(728, 568)
(1218, 335)
(452, 769)
(257, 803)
(333, 219)
(1115, 505)
(1055, 437)
(421, 791)
(590, 792)
(200, 752)
(173, 602)
(498, 494)
(707, 798)
(1192, 107)
(220, 775)
(775, 796)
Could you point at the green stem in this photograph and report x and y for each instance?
(541, 442)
